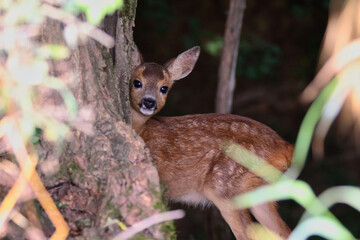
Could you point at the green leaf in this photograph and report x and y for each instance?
(252, 162)
(269, 193)
(55, 130)
(53, 51)
(343, 194)
(214, 47)
(321, 226)
(96, 10)
(307, 129)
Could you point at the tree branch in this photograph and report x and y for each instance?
(226, 75)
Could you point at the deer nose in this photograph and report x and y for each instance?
(149, 103)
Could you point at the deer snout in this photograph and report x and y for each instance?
(148, 106)
(149, 103)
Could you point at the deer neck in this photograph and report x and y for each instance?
(138, 120)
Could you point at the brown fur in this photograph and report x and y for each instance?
(187, 151)
(193, 142)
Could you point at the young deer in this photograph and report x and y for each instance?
(187, 149)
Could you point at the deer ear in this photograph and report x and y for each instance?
(183, 64)
(136, 57)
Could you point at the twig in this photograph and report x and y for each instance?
(148, 222)
(226, 82)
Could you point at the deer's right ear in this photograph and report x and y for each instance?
(136, 57)
(183, 64)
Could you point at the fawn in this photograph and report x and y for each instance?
(187, 150)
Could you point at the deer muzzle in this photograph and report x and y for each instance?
(148, 106)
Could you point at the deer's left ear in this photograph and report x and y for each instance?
(183, 64)
(136, 57)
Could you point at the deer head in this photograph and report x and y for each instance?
(151, 82)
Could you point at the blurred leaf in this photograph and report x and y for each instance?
(22, 11)
(258, 232)
(27, 72)
(27, 126)
(343, 194)
(274, 192)
(321, 226)
(213, 47)
(71, 35)
(96, 10)
(307, 127)
(251, 161)
(52, 51)
(285, 188)
(5, 4)
(111, 221)
(297, 190)
(36, 137)
(55, 130)
(122, 225)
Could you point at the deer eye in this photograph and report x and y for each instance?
(137, 84)
(164, 89)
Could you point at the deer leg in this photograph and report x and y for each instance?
(269, 217)
(266, 214)
(238, 220)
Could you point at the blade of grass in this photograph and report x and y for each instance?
(321, 226)
(343, 194)
(307, 128)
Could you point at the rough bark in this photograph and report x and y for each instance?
(107, 174)
(226, 75)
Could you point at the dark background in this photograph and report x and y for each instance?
(278, 57)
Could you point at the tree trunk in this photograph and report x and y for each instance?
(108, 174)
(226, 82)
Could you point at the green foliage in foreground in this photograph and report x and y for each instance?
(317, 219)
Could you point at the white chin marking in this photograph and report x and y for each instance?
(146, 111)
